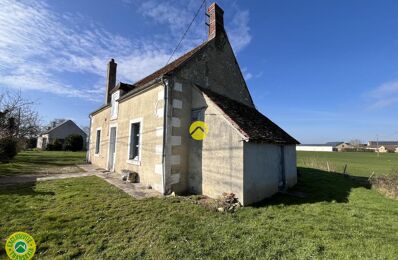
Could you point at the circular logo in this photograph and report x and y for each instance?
(198, 130)
(20, 245)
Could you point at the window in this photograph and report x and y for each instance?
(115, 104)
(135, 139)
(98, 141)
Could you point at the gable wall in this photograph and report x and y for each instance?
(216, 68)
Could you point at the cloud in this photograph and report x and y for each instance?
(239, 32)
(178, 14)
(385, 95)
(47, 51)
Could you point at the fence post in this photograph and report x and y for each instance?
(327, 163)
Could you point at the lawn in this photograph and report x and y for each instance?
(30, 162)
(358, 163)
(339, 218)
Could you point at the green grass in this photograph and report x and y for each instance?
(85, 217)
(30, 162)
(358, 163)
(339, 218)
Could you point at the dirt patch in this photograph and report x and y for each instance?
(225, 203)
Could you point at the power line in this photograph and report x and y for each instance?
(186, 31)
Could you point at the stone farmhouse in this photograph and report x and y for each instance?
(144, 127)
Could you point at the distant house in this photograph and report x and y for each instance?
(396, 150)
(59, 132)
(327, 147)
(382, 146)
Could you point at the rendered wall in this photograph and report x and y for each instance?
(262, 168)
(290, 165)
(314, 148)
(147, 107)
(261, 171)
(216, 163)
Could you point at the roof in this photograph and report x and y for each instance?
(334, 144)
(63, 123)
(171, 66)
(177, 63)
(123, 86)
(51, 129)
(249, 121)
(382, 143)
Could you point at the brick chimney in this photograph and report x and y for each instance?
(110, 80)
(216, 20)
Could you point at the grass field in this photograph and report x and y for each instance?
(340, 218)
(30, 162)
(358, 163)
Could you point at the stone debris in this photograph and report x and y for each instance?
(228, 202)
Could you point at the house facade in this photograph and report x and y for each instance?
(383, 146)
(145, 127)
(59, 132)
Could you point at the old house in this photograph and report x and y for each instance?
(59, 132)
(145, 127)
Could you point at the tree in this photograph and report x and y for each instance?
(356, 143)
(18, 118)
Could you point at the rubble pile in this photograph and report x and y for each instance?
(228, 202)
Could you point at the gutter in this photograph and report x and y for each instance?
(88, 141)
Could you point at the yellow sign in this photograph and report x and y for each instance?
(21, 246)
(199, 130)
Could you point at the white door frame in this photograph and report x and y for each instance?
(109, 148)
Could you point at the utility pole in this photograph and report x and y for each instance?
(377, 145)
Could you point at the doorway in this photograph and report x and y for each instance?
(112, 149)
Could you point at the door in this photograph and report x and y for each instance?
(282, 174)
(112, 149)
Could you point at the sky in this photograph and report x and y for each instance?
(322, 70)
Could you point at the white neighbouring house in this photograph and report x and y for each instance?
(60, 132)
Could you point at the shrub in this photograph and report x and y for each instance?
(73, 143)
(386, 184)
(8, 149)
(55, 146)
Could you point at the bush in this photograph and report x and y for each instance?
(386, 184)
(73, 143)
(8, 149)
(55, 146)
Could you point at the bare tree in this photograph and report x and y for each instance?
(18, 118)
(356, 143)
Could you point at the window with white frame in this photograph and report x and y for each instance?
(115, 104)
(135, 141)
(98, 141)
